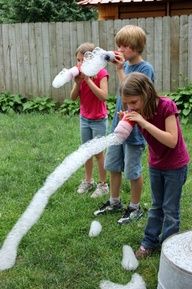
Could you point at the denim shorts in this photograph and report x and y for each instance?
(125, 158)
(90, 129)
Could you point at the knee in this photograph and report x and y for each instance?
(155, 212)
(171, 215)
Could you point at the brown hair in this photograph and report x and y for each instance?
(132, 36)
(84, 47)
(138, 84)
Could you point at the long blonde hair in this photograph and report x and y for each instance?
(138, 84)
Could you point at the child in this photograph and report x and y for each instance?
(131, 41)
(157, 118)
(92, 92)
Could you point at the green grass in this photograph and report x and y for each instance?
(57, 252)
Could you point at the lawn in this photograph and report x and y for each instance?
(57, 252)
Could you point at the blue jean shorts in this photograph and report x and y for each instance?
(90, 129)
(125, 158)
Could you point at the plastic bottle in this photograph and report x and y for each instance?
(124, 128)
(65, 76)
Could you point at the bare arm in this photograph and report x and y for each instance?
(102, 91)
(75, 89)
(169, 137)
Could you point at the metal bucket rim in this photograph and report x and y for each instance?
(167, 259)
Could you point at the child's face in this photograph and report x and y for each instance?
(133, 102)
(79, 58)
(127, 52)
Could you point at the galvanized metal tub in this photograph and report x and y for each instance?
(175, 271)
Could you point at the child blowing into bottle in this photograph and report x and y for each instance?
(92, 93)
(125, 159)
(157, 118)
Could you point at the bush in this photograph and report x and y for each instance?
(11, 103)
(44, 11)
(111, 101)
(69, 107)
(39, 104)
(17, 103)
(183, 98)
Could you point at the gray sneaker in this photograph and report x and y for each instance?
(101, 190)
(85, 187)
(130, 214)
(108, 208)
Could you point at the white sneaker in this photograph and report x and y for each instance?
(101, 190)
(85, 187)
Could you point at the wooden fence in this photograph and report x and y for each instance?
(33, 53)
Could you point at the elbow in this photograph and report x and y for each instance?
(73, 97)
(172, 141)
(173, 144)
(104, 96)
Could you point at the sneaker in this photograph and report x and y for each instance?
(130, 215)
(85, 187)
(108, 208)
(101, 190)
(143, 252)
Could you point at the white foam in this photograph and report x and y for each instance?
(136, 282)
(129, 261)
(95, 229)
(93, 62)
(96, 60)
(55, 180)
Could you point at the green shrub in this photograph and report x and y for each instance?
(111, 101)
(69, 107)
(11, 103)
(39, 104)
(183, 98)
(17, 103)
